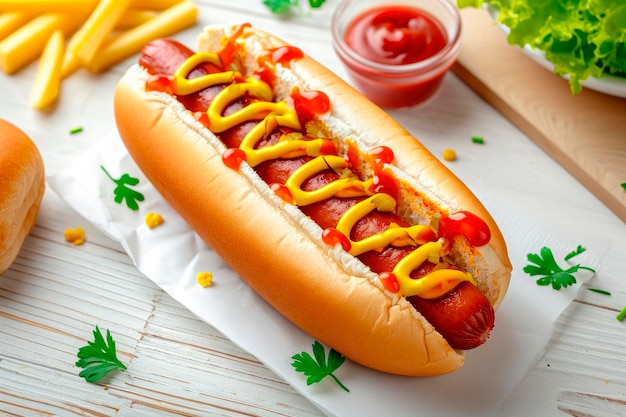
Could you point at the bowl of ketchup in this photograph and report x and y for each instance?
(397, 52)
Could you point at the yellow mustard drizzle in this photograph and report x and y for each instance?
(287, 146)
(283, 114)
(437, 281)
(394, 235)
(185, 86)
(274, 114)
(343, 187)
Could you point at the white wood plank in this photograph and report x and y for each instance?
(55, 293)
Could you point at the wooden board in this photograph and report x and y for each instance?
(586, 133)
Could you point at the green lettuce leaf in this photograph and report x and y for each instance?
(581, 38)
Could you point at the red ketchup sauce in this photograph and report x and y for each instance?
(464, 223)
(396, 35)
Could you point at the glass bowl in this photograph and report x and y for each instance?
(385, 59)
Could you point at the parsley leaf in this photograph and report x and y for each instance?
(550, 272)
(282, 7)
(317, 369)
(123, 192)
(98, 357)
(575, 252)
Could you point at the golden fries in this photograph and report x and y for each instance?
(172, 20)
(90, 34)
(48, 79)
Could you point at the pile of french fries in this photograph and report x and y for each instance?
(66, 35)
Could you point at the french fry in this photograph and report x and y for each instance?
(48, 6)
(11, 21)
(71, 63)
(154, 4)
(26, 44)
(89, 38)
(47, 83)
(134, 17)
(71, 6)
(166, 23)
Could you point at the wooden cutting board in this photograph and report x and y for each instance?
(586, 133)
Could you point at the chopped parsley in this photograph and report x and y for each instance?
(477, 139)
(545, 266)
(599, 291)
(316, 368)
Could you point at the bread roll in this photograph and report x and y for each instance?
(22, 185)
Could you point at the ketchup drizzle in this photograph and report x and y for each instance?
(309, 104)
(464, 223)
(332, 237)
(233, 157)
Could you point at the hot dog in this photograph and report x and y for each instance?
(328, 209)
(22, 185)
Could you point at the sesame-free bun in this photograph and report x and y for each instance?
(275, 248)
(22, 184)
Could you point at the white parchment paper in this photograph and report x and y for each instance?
(172, 254)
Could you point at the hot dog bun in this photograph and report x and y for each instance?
(275, 248)
(22, 184)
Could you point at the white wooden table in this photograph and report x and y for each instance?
(54, 292)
